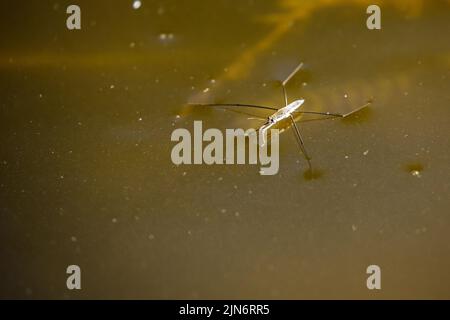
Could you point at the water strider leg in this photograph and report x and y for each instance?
(301, 144)
(232, 105)
(298, 136)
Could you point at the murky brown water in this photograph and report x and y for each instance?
(87, 179)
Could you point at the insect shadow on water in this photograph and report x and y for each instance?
(287, 112)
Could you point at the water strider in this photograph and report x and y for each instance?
(286, 112)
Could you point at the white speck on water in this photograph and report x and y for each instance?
(160, 11)
(178, 116)
(166, 36)
(189, 232)
(421, 230)
(213, 81)
(112, 86)
(220, 178)
(73, 239)
(223, 210)
(416, 173)
(346, 157)
(132, 45)
(354, 228)
(304, 84)
(237, 214)
(366, 152)
(184, 173)
(114, 220)
(137, 4)
(206, 90)
(151, 237)
(345, 96)
(140, 119)
(41, 95)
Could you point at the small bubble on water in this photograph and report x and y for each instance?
(137, 4)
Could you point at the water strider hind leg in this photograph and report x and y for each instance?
(301, 144)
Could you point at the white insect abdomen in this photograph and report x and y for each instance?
(286, 112)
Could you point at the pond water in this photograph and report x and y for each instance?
(87, 178)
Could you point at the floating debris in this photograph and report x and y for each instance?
(415, 169)
(416, 173)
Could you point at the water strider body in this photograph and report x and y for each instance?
(280, 115)
(286, 112)
(283, 113)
